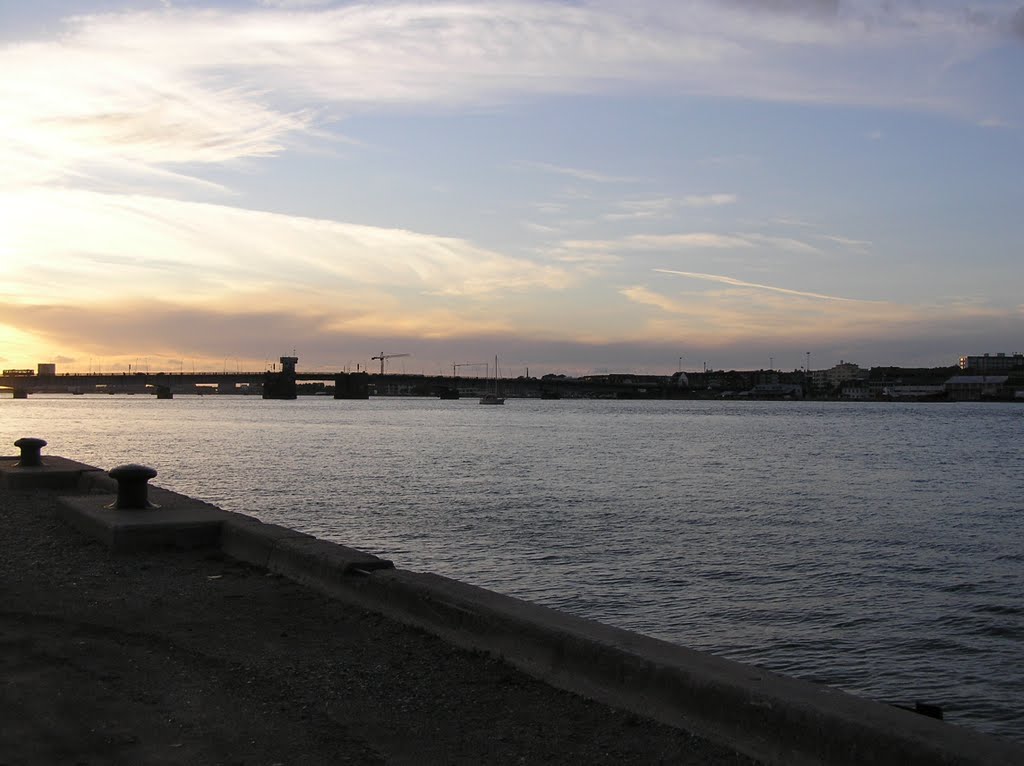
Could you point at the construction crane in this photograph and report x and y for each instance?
(383, 357)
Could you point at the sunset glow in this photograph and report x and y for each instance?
(575, 186)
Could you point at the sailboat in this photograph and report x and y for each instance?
(490, 398)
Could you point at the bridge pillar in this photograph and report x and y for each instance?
(281, 385)
(278, 385)
(21, 393)
(164, 392)
(352, 385)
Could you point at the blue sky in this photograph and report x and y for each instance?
(576, 187)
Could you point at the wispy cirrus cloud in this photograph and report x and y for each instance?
(709, 200)
(722, 316)
(197, 252)
(643, 209)
(854, 244)
(205, 85)
(689, 241)
(665, 207)
(753, 285)
(295, 3)
(659, 242)
(580, 174)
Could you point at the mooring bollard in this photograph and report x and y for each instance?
(30, 448)
(132, 488)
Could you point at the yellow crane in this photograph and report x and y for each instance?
(384, 357)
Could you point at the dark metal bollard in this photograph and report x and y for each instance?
(132, 488)
(30, 448)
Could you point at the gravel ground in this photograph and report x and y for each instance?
(179, 657)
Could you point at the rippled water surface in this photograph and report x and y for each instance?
(875, 547)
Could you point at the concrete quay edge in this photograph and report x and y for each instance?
(177, 520)
(54, 473)
(774, 718)
(295, 555)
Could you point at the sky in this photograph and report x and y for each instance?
(578, 187)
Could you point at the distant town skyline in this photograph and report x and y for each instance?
(407, 364)
(575, 186)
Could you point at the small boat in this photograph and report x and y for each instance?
(493, 398)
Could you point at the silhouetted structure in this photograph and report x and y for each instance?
(352, 385)
(281, 385)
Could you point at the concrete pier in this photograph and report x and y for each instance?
(352, 385)
(318, 657)
(281, 385)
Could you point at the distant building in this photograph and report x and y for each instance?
(836, 376)
(913, 392)
(987, 363)
(680, 379)
(971, 388)
(626, 379)
(47, 369)
(856, 389)
(777, 391)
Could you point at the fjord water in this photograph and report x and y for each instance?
(875, 547)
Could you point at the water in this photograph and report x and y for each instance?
(875, 547)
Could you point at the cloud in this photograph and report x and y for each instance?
(782, 243)
(643, 209)
(188, 85)
(550, 208)
(739, 283)
(689, 241)
(165, 330)
(540, 228)
(660, 242)
(719, 322)
(147, 246)
(665, 207)
(728, 315)
(825, 8)
(854, 244)
(795, 222)
(158, 327)
(294, 3)
(76, 106)
(1017, 23)
(731, 160)
(579, 174)
(861, 245)
(709, 200)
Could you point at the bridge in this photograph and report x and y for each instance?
(286, 382)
